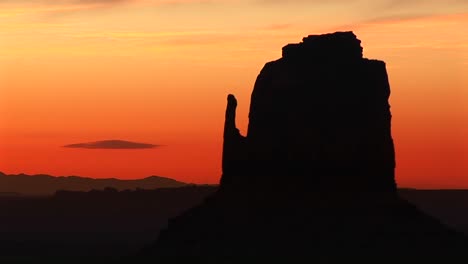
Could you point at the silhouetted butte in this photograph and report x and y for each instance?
(319, 117)
(314, 176)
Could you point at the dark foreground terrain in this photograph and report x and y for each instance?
(110, 224)
(448, 206)
(96, 223)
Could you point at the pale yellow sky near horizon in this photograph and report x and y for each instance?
(159, 71)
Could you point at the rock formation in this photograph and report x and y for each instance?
(319, 117)
(314, 176)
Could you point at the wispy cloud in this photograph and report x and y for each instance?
(363, 8)
(12, 8)
(112, 144)
(48, 9)
(277, 27)
(382, 8)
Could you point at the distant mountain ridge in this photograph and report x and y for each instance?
(42, 184)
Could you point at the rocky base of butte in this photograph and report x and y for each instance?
(314, 176)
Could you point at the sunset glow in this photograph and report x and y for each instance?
(158, 72)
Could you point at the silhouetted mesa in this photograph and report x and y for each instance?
(319, 117)
(314, 177)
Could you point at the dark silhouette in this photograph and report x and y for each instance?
(106, 225)
(319, 115)
(314, 177)
(449, 206)
(39, 185)
(99, 225)
(234, 156)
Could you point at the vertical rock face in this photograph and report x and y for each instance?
(319, 117)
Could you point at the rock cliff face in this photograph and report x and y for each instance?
(319, 117)
(314, 177)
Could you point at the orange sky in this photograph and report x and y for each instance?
(159, 72)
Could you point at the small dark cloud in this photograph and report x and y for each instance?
(112, 144)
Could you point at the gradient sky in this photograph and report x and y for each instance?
(158, 72)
